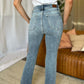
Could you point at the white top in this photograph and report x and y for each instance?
(39, 2)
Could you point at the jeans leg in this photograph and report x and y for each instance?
(54, 29)
(52, 44)
(34, 42)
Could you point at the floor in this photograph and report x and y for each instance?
(12, 75)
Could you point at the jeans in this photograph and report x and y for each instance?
(45, 20)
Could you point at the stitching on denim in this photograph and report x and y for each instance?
(52, 13)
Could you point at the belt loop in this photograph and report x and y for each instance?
(43, 7)
(57, 6)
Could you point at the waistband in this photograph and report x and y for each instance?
(45, 6)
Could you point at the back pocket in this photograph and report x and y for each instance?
(55, 20)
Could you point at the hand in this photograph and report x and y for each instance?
(64, 24)
(28, 21)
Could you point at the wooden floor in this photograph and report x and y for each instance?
(12, 75)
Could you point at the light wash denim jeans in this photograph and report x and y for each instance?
(45, 20)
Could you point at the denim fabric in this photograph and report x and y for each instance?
(45, 20)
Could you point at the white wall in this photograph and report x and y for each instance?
(77, 15)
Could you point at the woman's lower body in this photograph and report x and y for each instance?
(45, 20)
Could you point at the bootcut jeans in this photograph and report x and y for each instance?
(46, 20)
